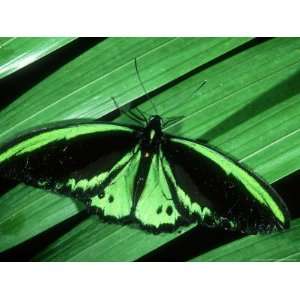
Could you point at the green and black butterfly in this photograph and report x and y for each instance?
(140, 174)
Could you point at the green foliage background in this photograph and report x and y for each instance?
(250, 108)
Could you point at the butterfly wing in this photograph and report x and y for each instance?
(155, 208)
(114, 200)
(215, 190)
(92, 162)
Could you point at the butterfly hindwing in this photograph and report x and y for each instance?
(155, 207)
(182, 199)
(215, 190)
(114, 201)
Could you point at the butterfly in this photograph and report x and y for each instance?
(141, 174)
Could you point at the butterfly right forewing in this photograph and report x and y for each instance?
(217, 191)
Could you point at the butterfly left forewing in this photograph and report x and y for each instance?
(74, 160)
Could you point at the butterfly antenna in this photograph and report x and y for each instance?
(143, 87)
(130, 115)
(172, 121)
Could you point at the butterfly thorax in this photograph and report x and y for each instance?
(152, 136)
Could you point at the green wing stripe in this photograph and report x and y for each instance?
(55, 135)
(249, 181)
(90, 184)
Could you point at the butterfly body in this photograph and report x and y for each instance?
(152, 135)
(145, 176)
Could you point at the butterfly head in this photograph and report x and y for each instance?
(155, 121)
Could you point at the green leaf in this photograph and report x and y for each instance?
(274, 247)
(93, 241)
(17, 53)
(20, 220)
(250, 92)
